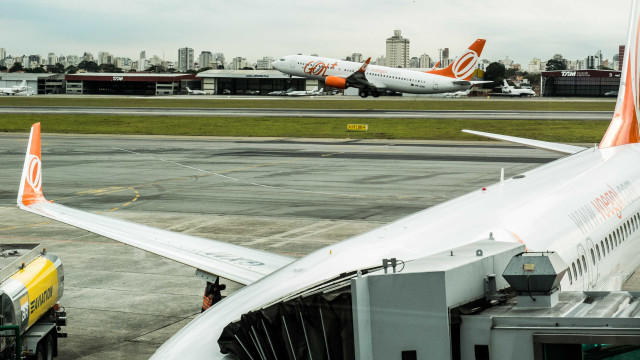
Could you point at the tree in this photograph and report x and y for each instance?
(534, 79)
(58, 68)
(38, 70)
(109, 68)
(3, 68)
(16, 67)
(556, 64)
(71, 69)
(495, 72)
(89, 66)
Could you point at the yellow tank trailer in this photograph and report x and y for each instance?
(31, 285)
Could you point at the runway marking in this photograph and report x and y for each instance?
(327, 155)
(220, 174)
(28, 225)
(128, 202)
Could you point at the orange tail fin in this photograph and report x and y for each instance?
(464, 65)
(31, 181)
(623, 128)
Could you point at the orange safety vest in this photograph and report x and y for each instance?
(207, 301)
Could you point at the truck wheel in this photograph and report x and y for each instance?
(44, 350)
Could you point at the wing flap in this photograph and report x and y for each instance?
(537, 144)
(233, 262)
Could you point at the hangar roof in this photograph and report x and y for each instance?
(269, 74)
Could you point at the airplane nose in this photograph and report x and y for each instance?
(275, 64)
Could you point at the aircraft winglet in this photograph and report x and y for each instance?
(30, 191)
(363, 68)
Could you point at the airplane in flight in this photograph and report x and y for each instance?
(312, 92)
(195, 92)
(14, 90)
(509, 90)
(584, 206)
(373, 79)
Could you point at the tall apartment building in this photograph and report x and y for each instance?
(185, 59)
(356, 57)
(205, 59)
(397, 50)
(425, 61)
(264, 63)
(3, 54)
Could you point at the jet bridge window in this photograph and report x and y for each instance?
(593, 256)
(607, 241)
(598, 252)
(584, 263)
(604, 253)
(575, 273)
(570, 277)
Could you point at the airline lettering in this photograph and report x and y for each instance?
(41, 299)
(316, 68)
(607, 204)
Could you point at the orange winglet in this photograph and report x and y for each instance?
(31, 181)
(464, 65)
(363, 68)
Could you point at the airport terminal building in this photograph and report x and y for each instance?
(580, 83)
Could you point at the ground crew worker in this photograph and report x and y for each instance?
(212, 294)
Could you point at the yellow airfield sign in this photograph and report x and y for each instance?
(357, 127)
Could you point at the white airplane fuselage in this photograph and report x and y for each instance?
(382, 77)
(573, 206)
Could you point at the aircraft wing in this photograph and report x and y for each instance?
(233, 262)
(359, 77)
(545, 145)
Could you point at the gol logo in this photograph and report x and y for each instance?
(34, 176)
(465, 64)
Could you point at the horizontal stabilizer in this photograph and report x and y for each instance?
(536, 144)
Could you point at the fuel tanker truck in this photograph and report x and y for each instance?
(31, 285)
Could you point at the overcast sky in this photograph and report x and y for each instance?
(520, 30)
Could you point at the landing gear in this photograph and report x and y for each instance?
(375, 93)
(363, 93)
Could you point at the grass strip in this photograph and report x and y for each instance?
(315, 103)
(570, 131)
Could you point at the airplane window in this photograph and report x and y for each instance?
(575, 273)
(570, 278)
(593, 257)
(579, 267)
(584, 263)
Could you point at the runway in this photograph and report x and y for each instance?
(280, 195)
(315, 113)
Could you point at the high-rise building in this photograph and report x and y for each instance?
(425, 61)
(264, 63)
(381, 60)
(620, 57)
(218, 58)
(3, 53)
(87, 56)
(185, 59)
(52, 59)
(205, 59)
(443, 57)
(414, 62)
(239, 63)
(397, 50)
(534, 66)
(356, 57)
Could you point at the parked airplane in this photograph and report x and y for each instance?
(509, 90)
(585, 206)
(14, 90)
(313, 92)
(282, 92)
(195, 92)
(372, 79)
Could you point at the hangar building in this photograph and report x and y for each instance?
(38, 83)
(251, 82)
(587, 83)
(130, 83)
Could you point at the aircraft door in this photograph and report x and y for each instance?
(435, 84)
(292, 63)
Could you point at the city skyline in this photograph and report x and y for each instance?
(245, 29)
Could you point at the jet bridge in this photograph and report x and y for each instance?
(452, 305)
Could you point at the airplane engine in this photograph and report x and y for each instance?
(336, 82)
